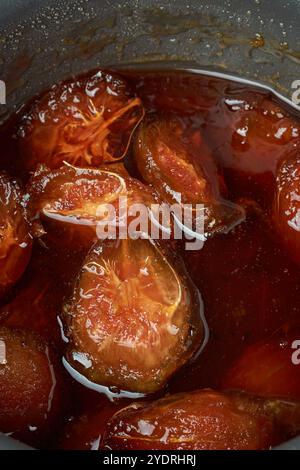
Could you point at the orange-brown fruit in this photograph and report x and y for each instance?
(72, 205)
(134, 317)
(15, 240)
(85, 121)
(252, 133)
(181, 168)
(30, 386)
(200, 420)
(266, 368)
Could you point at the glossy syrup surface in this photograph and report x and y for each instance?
(250, 286)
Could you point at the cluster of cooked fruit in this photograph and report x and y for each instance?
(131, 316)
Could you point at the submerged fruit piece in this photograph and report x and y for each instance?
(251, 294)
(181, 168)
(73, 204)
(85, 121)
(38, 299)
(134, 317)
(249, 133)
(201, 420)
(15, 240)
(29, 386)
(286, 207)
(284, 414)
(266, 368)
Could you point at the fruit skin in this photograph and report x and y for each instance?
(15, 239)
(284, 414)
(200, 420)
(286, 205)
(85, 121)
(249, 133)
(266, 368)
(177, 162)
(30, 387)
(98, 426)
(134, 317)
(252, 133)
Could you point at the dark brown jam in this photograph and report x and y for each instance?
(231, 146)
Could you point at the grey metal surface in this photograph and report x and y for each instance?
(7, 443)
(42, 41)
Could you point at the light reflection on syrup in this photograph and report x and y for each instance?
(107, 391)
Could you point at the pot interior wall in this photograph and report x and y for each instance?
(43, 41)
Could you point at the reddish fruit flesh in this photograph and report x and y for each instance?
(133, 316)
(15, 240)
(181, 168)
(71, 202)
(88, 121)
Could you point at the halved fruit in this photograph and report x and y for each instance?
(181, 168)
(134, 317)
(85, 121)
(74, 206)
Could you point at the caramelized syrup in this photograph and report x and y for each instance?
(249, 285)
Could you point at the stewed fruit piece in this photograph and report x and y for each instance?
(216, 418)
(134, 317)
(266, 368)
(252, 132)
(286, 207)
(30, 386)
(38, 298)
(69, 203)
(178, 163)
(249, 133)
(200, 420)
(15, 240)
(84, 121)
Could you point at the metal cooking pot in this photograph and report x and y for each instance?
(43, 41)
